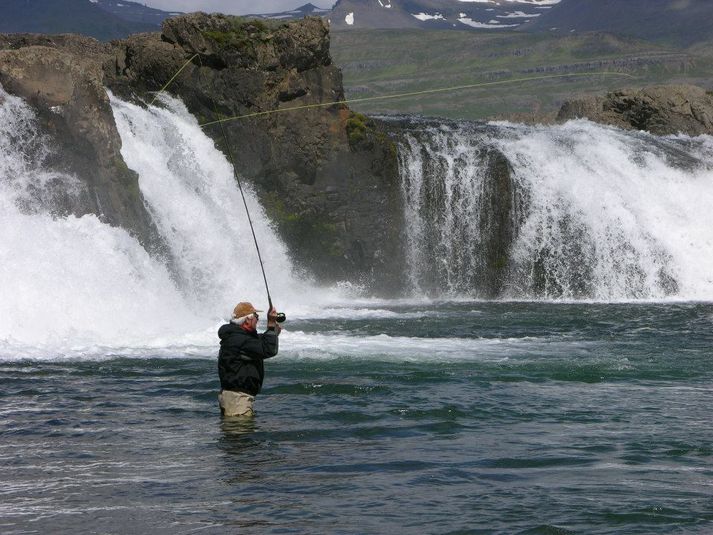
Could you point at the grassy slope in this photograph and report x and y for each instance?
(382, 62)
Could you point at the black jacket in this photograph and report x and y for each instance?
(240, 366)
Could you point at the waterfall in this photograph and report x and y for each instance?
(76, 285)
(578, 210)
(193, 197)
(500, 210)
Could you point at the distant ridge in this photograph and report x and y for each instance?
(135, 12)
(102, 19)
(307, 10)
(483, 15)
(680, 22)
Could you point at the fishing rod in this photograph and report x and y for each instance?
(280, 316)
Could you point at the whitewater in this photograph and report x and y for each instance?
(598, 213)
(575, 403)
(641, 219)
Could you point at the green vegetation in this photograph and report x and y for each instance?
(243, 33)
(307, 231)
(363, 134)
(357, 128)
(383, 62)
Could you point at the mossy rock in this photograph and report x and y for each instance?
(311, 233)
(243, 34)
(359, 129)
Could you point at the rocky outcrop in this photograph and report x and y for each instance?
(334, 197)
(660, 110)
(327, 178)
(62, 79)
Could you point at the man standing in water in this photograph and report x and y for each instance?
(242, 351)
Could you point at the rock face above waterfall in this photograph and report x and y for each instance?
(660, 110)
(328, 178)
(61, 77)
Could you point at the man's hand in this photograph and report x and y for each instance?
(271, 321)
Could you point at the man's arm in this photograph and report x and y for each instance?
(263, 347)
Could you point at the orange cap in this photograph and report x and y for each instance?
(243, 309)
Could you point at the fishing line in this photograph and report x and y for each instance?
(411, 94)
(173, 78)
(245, 204)
(280, 316)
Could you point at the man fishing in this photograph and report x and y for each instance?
(240, 360)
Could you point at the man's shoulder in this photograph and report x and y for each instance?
(229, 329)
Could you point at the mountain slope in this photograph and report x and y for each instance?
(425, 14)
(681, 22)
(437, 14)
(85, 17)
(307, 10)
(134, 12)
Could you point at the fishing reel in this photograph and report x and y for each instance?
(280, 317)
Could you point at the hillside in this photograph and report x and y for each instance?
(679, 22)
(481, 15)
(101, 19)
(382, 62)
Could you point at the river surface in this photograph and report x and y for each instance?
(390, 417)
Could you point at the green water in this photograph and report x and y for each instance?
(440, 418)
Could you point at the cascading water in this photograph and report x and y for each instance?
(573, 211)
(589, 212)
(191, 193)
(79, 286)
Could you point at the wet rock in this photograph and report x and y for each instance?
(660, 110)
(62, 79)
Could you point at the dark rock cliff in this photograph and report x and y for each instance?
(335, 200)
(328, 178)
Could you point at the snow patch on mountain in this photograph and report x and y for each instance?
(426, 16)
(490, 24)
(518, 15)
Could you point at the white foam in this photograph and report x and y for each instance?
(69, 280)
(329, 346)
(590, 197)
(78, 287)
(641, 212)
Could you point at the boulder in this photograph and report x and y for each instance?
(660, 110)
